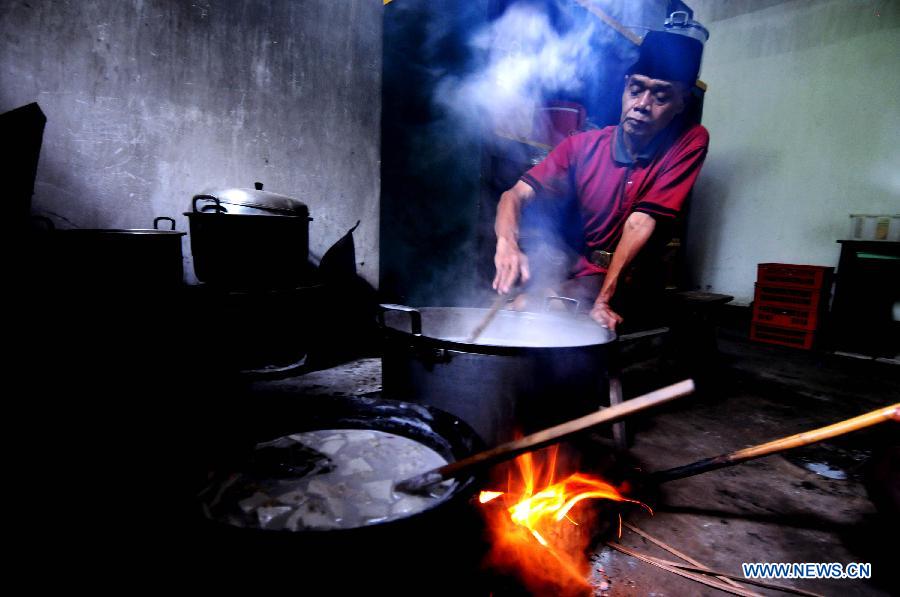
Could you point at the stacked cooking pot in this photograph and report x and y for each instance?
(249, 238)
(250, 250)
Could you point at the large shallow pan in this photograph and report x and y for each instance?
(395, 556)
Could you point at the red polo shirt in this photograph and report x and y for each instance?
(609, 186)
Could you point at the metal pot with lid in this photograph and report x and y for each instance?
(125, 257)
(249, 238)
(683, 22)
(254, 201)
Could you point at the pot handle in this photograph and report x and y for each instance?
(156, 222)
(218, 205)
(564, 299)
(415, 318)
(45, 221)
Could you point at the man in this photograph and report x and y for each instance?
(625, 178)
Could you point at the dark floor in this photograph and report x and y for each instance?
(105, 437)
(807, 505)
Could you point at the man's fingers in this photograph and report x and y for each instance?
(501, 284)
(606, 317)
(509, 269)
(610, 322)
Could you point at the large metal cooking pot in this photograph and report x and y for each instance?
(525, 372)
(243, 238)
(399, 557)
(149, 258)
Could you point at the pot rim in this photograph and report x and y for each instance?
(435, 342)
(298, 216)
(121, 231)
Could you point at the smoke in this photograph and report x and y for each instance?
(525, 60)
(484, 79)
(532, 52)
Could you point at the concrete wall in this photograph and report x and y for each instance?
(803, 110)
(148, 102)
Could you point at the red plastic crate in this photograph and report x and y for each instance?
(803, 319)
(782, 336)
(786, 274)
(789, 297)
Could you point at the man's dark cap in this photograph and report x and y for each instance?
(669, 56)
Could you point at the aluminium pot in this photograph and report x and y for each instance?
(526, 372)
(399, 556)
(249, 238)
(145, 258)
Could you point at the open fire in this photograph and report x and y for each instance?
(541, 527)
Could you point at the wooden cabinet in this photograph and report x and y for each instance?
(867, 298)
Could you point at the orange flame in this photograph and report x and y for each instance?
(486, 496)
(536, 536)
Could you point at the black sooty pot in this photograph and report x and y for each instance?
(525, 372)
(442, 544)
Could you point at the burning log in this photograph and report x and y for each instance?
(540, 525)
(540, 534)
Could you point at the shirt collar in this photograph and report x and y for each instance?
(621, 155)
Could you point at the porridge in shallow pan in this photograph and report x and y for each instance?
(325, 479)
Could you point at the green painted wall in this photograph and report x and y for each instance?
(803, 110)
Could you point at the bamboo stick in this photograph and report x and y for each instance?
(592, 7)
(695, 576)
(674, 567)
(779, 445)
(675, 552)
(545, 437)
(749, 581)
(492, 312)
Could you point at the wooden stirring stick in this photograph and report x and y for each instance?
(495, 307)
(779, 445)
(544, 438)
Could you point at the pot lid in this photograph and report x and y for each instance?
(257, 198)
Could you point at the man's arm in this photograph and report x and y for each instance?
(663, 200)
(638, 229)
(510, 261)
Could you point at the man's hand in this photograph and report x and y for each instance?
(602, 314)
(638, 229)
(511, 264)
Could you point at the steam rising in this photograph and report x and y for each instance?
(526, 61)
(533, 52)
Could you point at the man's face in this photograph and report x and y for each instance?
(649, 105)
